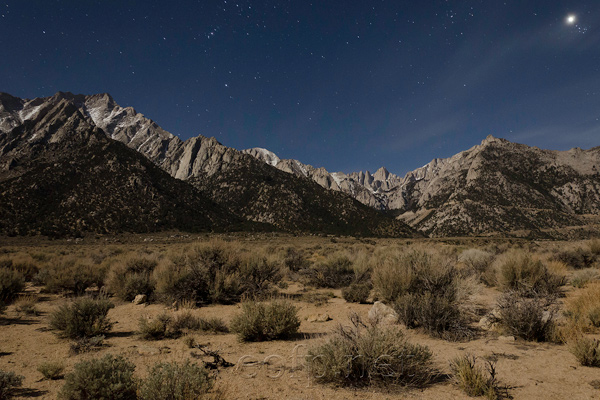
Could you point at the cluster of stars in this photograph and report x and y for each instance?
(571, 20)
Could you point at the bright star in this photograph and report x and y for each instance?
(571, 19)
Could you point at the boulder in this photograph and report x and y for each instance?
(380, 314)
(319, 318)
(139, 299)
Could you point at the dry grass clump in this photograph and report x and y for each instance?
(9, 381)
(165, 326)
(530, 318)
(587, 351)
(259, 321)
(583, 311)
(594, 246)
(132, 277)
(26, 304)
(476, 262)
(174, 381)
(520, 272)
(82, 318)
(51, 370)
(581, 278)
(474, 380)
(110, 377)
(362, 355)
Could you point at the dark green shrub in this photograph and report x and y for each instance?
(9, 381)
(82, 318)
(474, 380)
(51, 370)
(336, 272)
(587, 351)
(368, 355)
(266, 321)
(527, 318)
(259, 274)
(110, 377)
(11, 283)
(357, 292)
(173, 381)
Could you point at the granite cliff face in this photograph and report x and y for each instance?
(240, 183)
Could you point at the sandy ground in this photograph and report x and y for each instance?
(273, 370)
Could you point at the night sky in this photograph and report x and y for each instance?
(349, 85)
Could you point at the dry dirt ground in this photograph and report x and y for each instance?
(274, 370)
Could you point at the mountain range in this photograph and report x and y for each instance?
(161, 182)
(71, 163)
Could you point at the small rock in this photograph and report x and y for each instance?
(319, 318)
(382, 314)
(507, 339)
(139, 299)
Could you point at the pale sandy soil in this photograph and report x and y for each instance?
(530, 370)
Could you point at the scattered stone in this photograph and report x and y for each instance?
(507, 339)
(139, 299)
(380, 314)
(319, 318)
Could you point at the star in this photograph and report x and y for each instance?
(571, 19)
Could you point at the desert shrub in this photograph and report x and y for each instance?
(369, 355)
(86, 344)
(594, 246)
(520, 272)
(173, 381)
(583, 311)
(335, 272)
(27, 269)
(110, 377)
(587, 351)
(317, 298)
(259, 274)
(11, 283)
(214, 274)
(73, 277)
(259, 321)
(294, 260)
(581, 278)
(27, 305)
(577, 259)
(9, 381)
(429, 296)
(357, 292)
(132, 277)
(82, 318)
(473, 379)
(527, 318)
(156, 328)
(397, 274)
(51, 370)
(214, 325)
(478, 262)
